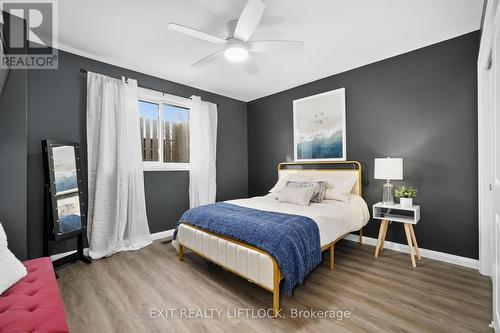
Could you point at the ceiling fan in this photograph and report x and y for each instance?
(237, 47)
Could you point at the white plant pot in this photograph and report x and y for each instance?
(406, 202)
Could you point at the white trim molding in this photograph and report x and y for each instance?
(431, 254)
(167, 235)
(486, 95)
(58, 256)
(163, 234)
(440, 256)
(160, 166)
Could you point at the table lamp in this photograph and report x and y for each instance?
(388, 169)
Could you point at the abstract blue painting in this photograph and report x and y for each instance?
(320, 127)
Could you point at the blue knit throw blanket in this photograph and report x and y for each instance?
(292, 240)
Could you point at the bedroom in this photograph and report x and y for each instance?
(331, 164)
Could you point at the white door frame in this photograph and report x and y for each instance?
(488, 68)
(485, 139)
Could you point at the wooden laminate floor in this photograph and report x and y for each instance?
(134, 292)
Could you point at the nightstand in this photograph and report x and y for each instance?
(389, 213)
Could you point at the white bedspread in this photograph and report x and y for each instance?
(334, 218)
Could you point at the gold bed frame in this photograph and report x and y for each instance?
(355, 165)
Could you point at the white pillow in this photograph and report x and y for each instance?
(288, 178)
(11, 269)
(319, 193)
(297, 195)
(341, 189)
(332, 195)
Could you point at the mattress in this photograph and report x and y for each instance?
(334, 218)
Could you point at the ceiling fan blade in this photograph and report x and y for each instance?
(208, 59)
(249, 19)
(251, 66)
(196, 33)
(275, 46)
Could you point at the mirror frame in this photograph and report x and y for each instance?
(50, 184)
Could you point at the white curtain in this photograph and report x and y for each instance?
(116, 209)
(203, 145)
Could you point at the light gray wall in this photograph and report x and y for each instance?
(57, 101)
(421, 106)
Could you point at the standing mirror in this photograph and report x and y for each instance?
(64, 185)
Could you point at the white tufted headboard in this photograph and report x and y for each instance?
(326, 171)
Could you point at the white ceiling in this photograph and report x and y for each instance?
(338, 36)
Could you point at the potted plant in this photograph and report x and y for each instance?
(405, 195)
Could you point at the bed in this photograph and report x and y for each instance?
(334, 220)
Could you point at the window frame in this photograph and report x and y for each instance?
(159, 98)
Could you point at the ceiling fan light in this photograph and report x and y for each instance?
(236, 54)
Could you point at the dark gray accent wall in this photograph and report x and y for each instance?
(421, 106)
(13, 139)
(57, 107)
(13, 162)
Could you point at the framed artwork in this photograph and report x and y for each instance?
(319, 127)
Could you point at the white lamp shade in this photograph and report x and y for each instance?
(389, 168)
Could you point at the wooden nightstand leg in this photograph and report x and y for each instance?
(410, 247)
(414, 240)
(381, 235)
(384, 235)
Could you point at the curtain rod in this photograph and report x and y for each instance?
(83, 70)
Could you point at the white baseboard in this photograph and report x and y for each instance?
(155, 236)
(57, 256)
(163, 234)
(54, 257)
(431, 254)
(441, 256)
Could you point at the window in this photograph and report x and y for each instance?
(164, 122)
(175, 134)
(149, 119)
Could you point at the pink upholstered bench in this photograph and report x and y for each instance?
(34, 303)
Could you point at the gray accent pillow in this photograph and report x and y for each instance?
(297, 195)
(319, 192)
